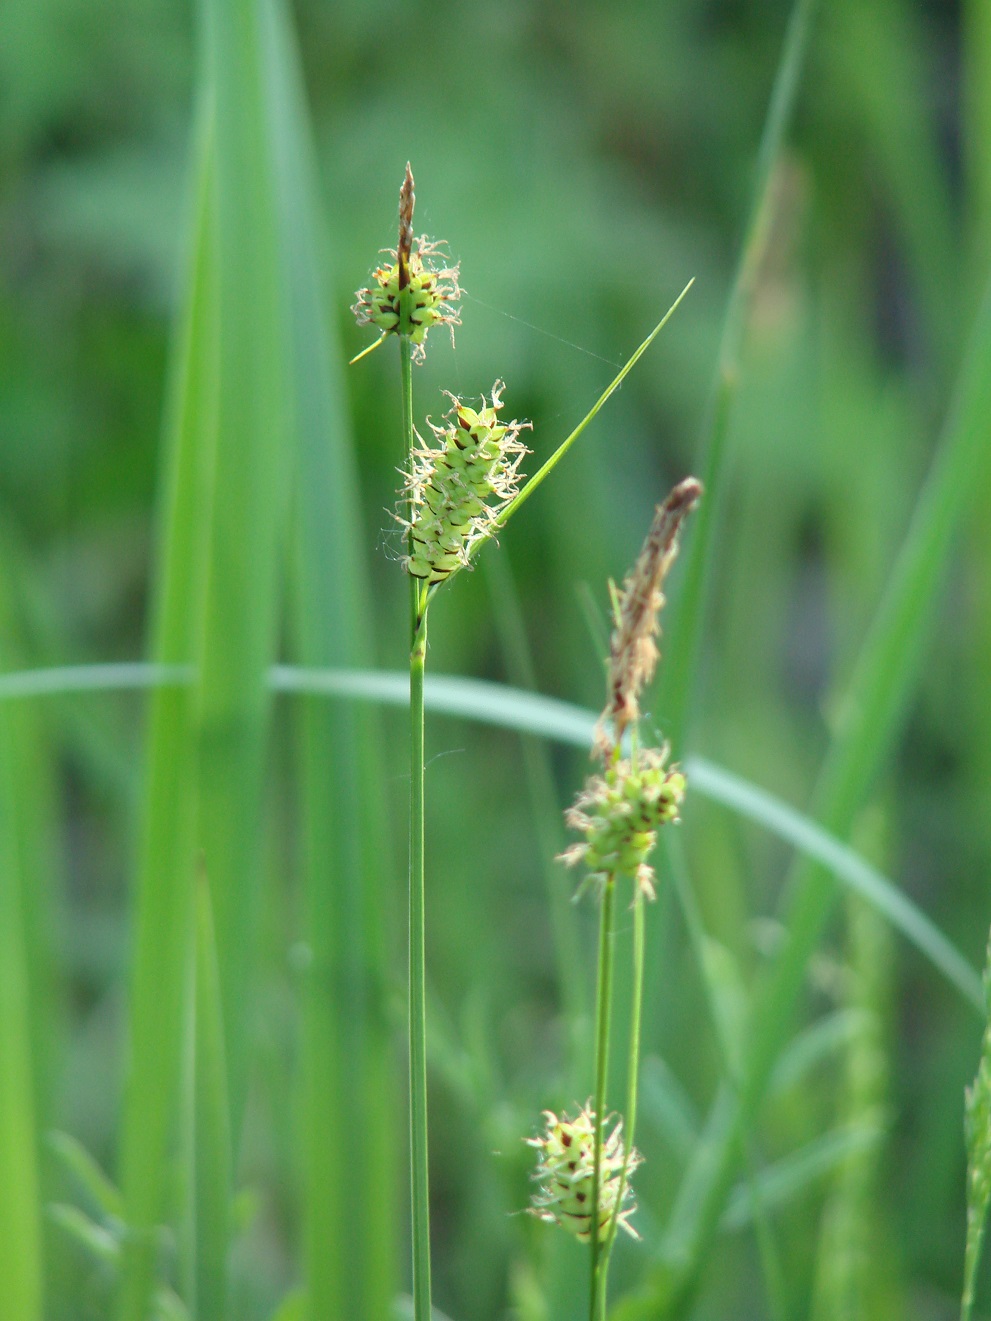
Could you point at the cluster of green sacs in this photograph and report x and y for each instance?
(426, 300)
(450, 498)
(624, 812)
(568, 1169)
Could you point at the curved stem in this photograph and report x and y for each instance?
(603, 1015)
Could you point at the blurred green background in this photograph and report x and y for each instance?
(583, 161)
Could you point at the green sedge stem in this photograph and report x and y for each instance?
(417, 996)
(419, 1169)
(603, 1016)
(632, 1070)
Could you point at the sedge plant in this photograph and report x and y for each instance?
(583, 1171)
(461, 486)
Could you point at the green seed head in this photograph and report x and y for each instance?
(459, 485)
(415, 290)
(565, 1174)
(431, 296)
(618, 814)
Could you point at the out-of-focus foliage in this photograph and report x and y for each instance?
(583, 161)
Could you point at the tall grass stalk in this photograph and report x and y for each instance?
(688, 610)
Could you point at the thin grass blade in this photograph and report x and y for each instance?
(564, 722)
(548, 467)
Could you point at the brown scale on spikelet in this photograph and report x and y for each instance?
(633, 653)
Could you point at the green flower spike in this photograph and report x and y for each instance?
(619, 813)
(459, 485)
(414, 286)
(565, 1172)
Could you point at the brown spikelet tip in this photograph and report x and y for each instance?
(407, 200)
(633, 653)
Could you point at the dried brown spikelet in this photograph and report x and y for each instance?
(404, 248)
(633, 653)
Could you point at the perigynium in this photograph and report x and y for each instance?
(459, 485)
(619, 813)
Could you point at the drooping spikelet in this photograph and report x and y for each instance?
(416, 265)
(459, 485)
(566, 1176)
(619, 813)
(633, 653)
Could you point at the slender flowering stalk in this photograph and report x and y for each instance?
(407, 298)
(456, 487)
(617, 814)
